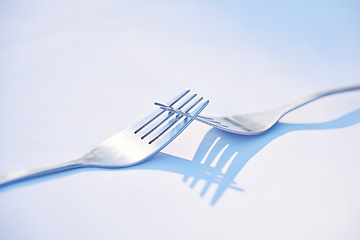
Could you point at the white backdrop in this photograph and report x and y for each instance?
(74, 73)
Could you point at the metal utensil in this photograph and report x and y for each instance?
(256, 123)
(131, 146)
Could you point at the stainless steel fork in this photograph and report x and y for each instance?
(258, 122)
(131, 146)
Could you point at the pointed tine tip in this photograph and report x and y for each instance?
(161, 105)
(204, 105)
(187, 90)
(180, 96)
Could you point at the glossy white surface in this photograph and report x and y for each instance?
(70, 69)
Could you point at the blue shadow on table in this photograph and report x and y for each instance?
(222, 155)
(218, 159)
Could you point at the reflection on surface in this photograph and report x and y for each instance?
(222, 155)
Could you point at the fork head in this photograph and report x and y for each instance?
(149, 136)
(247, 124)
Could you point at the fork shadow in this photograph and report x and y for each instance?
(219, 158)
(222, 155)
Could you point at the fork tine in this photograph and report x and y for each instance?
(121, 150)
(168, 117)
(187, 101)
(178, 117)
(207, 118)
(171, 103)
(191, 107)
(177, 98)
(198, 118)
(185, 122)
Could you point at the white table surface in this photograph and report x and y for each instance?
(74, 73)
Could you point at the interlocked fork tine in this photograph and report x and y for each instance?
(255, 123)
(168, 122)
(205, 120)
(180, 122)
(171, 103)
(177, 119)
(169, 116)
(127, 148)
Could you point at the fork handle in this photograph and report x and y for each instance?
(32, 173)
(288, 108)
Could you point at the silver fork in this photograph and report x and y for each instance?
(256, 123)
(131, 146)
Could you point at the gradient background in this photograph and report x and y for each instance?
(73, 73)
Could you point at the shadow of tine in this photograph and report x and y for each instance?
(214, 163)
(222, 155)
(233, 158)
